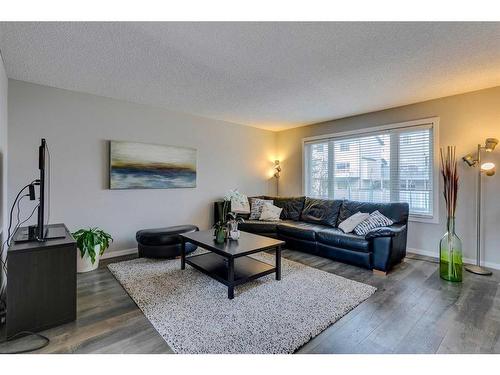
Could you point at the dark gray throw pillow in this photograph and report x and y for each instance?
(292, 207)
(321, 211)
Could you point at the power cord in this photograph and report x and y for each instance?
(9, 234)
(18, 225)
(12, 210)
(7, 242)
(21, 334)
(3, 303)
(4, 263)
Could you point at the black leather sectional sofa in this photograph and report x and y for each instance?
(310, 225)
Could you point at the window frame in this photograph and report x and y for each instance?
(432, 121)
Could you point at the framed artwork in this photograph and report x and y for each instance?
(136, 165)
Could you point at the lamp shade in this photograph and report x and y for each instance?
(488, 168)
(490, 144)
(469, 159)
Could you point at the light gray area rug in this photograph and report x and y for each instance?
(192, 313)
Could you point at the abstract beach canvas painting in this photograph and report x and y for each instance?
(149, 166)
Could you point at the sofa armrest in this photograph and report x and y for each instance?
(391, 231)
(388, 245)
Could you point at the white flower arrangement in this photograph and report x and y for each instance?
(235, 195)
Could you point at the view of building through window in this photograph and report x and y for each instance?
(391, 166)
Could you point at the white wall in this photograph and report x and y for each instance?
(3, 156)
(77, 127)
(465, 121)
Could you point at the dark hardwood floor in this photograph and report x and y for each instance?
(413, 311)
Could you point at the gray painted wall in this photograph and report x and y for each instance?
(3, 156)
(77, 127)
(465, 121)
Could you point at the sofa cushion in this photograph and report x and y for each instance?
(397, 212)
(359, 258)
(300, 230)
(257, 226)
(292, 207)
(321, 211)
(335, 237)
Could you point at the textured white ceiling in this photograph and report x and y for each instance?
(268, 75)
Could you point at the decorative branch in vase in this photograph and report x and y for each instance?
(450, 246)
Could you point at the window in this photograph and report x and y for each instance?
(344, 146)
(343, 166)
(393, 163)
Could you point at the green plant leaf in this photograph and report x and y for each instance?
(80, 245)
(88, 239)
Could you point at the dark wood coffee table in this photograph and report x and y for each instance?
(229, 262)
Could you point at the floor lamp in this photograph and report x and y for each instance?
(277, 174)
(489, 170)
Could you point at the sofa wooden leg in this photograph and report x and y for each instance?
(379, 273)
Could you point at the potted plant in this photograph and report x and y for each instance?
(220, 231)
(220, 227)
(92, 243)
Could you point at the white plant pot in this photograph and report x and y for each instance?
(85, 264)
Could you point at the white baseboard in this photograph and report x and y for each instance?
(427, 253)
(119, 253)
(433, 254)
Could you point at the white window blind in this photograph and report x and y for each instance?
(391, 165)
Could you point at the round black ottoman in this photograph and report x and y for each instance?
(163, 242)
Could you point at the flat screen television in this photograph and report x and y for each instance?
(41, 231)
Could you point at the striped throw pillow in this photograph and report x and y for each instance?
(375, 220)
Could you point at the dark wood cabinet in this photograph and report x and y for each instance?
(41, 284)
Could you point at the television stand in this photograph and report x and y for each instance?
(29, 234)
(41, 283)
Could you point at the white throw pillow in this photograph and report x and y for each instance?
(240, 204)
(270, 212)
(348, 225)
(256, 205)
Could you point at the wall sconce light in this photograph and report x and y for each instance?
(277, 174)
(488, 169)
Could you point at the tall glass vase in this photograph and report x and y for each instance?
(450, 254)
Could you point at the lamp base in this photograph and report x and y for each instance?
(478, 270)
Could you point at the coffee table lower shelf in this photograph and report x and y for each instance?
(216, 266)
